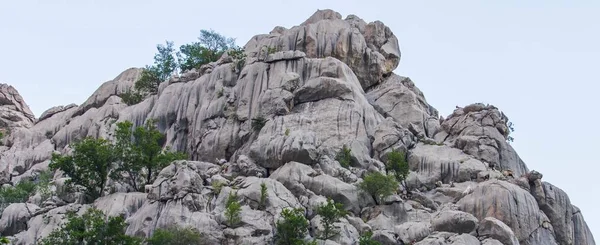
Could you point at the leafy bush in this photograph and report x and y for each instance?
(164, 66)
(132, 97)
(263, 196)
(379, 185)
(396, 163)
(49, 134)
(366, 239)
(148, 82)
(293, 227)
(209, 48)
(140, 154)
(88, 166)
(233, 210)
(43, 184)
(287, 132)
(16, 194)
(92, 227)
(344, 157)
(175, 236)
(4, 240)
(258, 123)
(330, 213)
(217, 186)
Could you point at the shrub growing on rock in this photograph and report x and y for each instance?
(344, 157)
(258, 123)
(175, 236)
(140, 155)
(378, 185)
(132, 97)
(292, 229)
(88, 166)
(366, 239)
(397, 164)
(16, 194)
(233, 209)
(263, 196)
(209, 48)
(93, 227)
(330, 213)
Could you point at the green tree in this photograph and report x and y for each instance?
(175, 236)
(397, 164)
(233, 210)
(164, 66)
(92, 228)
(292, 229)
(16, 194)
(42, 183)
(88, 166)
(210, 46)
(263, 196)
(140, 154)
(4, 240)
(366, 239)
(330, 213)
(379, 185)
(344, 157)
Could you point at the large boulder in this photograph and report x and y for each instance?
(14, 112)
(496, 229)
(15, 218)
(454, 221)
(581, 231)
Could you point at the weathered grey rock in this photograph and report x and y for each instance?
(298, 178)
(384, 237)
(347, 233)
(447, 238)
(482, 131)
(397, 97)
(42, 224)
(454, 221)
(55, 110)
(278, 196)
(490, 241)
(14, 112)
(496, 199)
(581, 231)
(389, 136)
(176, 181)
(464, 239)
(120, 204)
(496, 229)
(556, 205)
(442, 163)
(413, 231)
(15, 217)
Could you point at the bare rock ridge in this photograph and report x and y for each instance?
(322, 85)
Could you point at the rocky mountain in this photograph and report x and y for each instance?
(322, 85)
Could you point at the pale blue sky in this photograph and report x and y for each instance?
(536, 60)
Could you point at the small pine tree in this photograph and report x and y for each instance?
(293, 227)
(233, 210)
(344, 157)
(263, 196)
(397, 164)
(330, 213)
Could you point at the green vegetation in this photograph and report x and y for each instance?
(233, 210)
(292, 229)
(258, 123)
(263, 196)
(378, 185)
(209, 48)
(217, 186)
(18, 193)
(4, 240)
(330, 213)
(344, 157)
(220, 93)
(366, 239)
(132, 97)
(511, 129)
(43, 184)
(175, 236)
(93, 227)
(397, 164)
(88, 166)
(137, 153)
(49, 134)
(140, 154)
(287, 132)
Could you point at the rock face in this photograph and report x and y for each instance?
(320, 86)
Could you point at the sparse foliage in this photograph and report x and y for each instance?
(4, 240)
(263, 196)
(397, 164)
(88, 166)
(140, 155)
(233, 209)
(330, 213)
(366, 239)
(217, 186)
(287, 132)
(292, 229)
(92, 228)
(43, 184)
(176, 236)
(164, 66)
(258, 123)
(344, 157)
(379, 185)
(16, 194)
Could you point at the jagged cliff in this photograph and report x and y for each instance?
(329, 84)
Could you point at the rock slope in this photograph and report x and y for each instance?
(322, 85)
